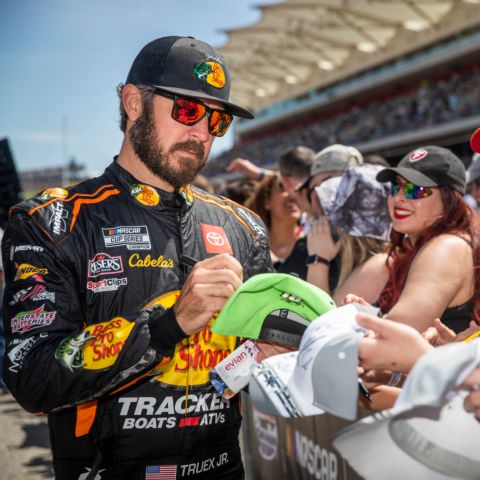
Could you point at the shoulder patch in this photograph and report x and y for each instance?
(56, 210)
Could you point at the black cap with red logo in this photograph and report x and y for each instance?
(429, 166)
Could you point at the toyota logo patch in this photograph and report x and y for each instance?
(215, 239)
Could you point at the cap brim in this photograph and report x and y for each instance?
(302, 185)
(409, 174)
(415, 441)
(235, 110)
(273, 391)
(475, 141)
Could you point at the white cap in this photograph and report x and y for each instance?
(320, 377)
(427, 434)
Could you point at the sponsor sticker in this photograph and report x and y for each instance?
(24, 248)
(417, 155)
(145, 194)
(170, 412)
(17, 354)
(97, 347)
(132, 237)
(315, 459)
(215, 239)
(160, 262)
(211, 73)
(106, 285)
(35, 293)
(24, 321)
(54, 193)
(266, 431)
(58, 218)
(104, 264)
(25, 270)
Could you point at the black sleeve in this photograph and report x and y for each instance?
(50, 345)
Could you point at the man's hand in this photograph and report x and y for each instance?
(320, 241)
(390, 346)
(208, 287)
(352, 298)
(247, 168)
(267, 349)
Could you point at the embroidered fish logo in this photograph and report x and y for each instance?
(211, 73)
(145, 194)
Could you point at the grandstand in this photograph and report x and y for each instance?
(384, 76)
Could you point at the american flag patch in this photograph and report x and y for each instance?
(161, 472)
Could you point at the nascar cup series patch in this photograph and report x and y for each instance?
(97, 347)
(145, 195)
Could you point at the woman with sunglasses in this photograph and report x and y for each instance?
(435, 250)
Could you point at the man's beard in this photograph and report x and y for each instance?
(146, 145)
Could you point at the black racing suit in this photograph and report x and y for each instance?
(91, 274)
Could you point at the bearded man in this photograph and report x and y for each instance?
(112, 285)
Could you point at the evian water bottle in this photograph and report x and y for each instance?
(233, 372)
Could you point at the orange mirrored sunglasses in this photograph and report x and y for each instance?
(189, 112)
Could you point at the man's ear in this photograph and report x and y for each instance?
(132, 101)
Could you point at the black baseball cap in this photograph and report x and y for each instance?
(429, 166)
(185, 66)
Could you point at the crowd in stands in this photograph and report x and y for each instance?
(427, 103)
(403, 239)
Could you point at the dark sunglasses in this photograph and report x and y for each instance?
(189, 112)
(410, 191)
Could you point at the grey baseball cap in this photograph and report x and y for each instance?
(321, 377)
(427, 434)
(333, 158)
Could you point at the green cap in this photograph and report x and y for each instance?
(283, 303)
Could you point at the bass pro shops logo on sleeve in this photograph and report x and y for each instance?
(97, 347)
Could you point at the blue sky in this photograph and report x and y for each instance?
(62, 59)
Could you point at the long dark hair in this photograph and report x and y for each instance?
(457, 219)
(260, 197)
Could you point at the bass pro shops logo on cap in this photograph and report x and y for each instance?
(417, 155)
(211, 73)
